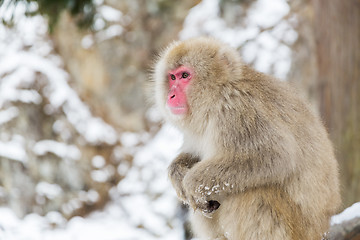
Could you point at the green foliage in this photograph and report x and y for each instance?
(82, 10)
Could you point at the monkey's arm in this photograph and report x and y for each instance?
(178, 169)
(214, 179)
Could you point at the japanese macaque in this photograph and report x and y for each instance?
(256, 162)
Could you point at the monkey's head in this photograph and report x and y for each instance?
(190, 74)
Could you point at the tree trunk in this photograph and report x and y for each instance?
(337, 34)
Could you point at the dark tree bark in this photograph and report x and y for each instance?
(349, 230)
(337, 34)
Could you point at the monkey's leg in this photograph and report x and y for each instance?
(265, 213)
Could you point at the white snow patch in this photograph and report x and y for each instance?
(58, 148)
(110, 32)
(99, 24)
(10, 85)
(110, 14)
(204, 19)
(61, 127)
(129, 139)
(266, 51)
(8, 114)
(346, 215)
(123, 168)
(55, 218)
(14, 149)
(266, 13)
(48, 190)
(104, 23)
(98, 161)
(285, 32)
(71, 206)
(90, 196)
(102, 175)
(87, 41)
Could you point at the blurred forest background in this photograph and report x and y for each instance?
(83, 154)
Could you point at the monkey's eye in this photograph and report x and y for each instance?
(184, 75)
(172, 76)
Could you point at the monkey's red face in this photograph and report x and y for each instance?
(179, 80)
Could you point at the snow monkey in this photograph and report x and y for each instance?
(256, 162)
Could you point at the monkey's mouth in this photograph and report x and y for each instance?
(178, 110)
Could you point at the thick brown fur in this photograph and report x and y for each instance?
(250, 143)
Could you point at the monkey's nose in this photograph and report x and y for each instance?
(172, 96)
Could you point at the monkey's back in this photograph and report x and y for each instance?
(271, 111)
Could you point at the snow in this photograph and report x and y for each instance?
(60, 149)
(90, 196)
(87, 41)
(264, 13)
(131, 214)
(110, 14)
(10, 85)
(113, 222)
(58, 91)
(143, 205)
(123, 168)
(110, 32)
(8, 114)
(108, 24)
(48, 190)
(99, 24)
(18, 69)
(267, 51)
(150, 218)
(14, 149)
(104, 174)
(346, 215)
(129, 139)
(283, 30)
(98, 161)
(60, 126)
(25, 54)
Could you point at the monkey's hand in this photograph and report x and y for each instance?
(203, 189)
(178, 169)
